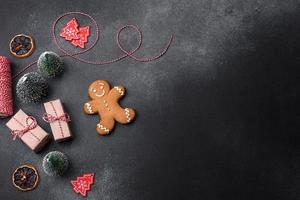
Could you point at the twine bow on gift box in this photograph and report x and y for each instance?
(29, 126)
(50, 118)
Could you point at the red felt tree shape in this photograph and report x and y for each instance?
(83, 34)
(83, 184)
(70, 31)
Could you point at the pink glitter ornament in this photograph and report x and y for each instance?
(6, 100)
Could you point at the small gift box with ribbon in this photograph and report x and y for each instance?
(26, 128)
(58, 120)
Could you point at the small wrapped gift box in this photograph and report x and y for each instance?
(58, 120)
(26, 128)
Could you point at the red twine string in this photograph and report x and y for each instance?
(28, 127)
(50, 118)
(6, 100)
(126, 53)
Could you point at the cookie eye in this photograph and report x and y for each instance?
(101, 87)
(94, 90)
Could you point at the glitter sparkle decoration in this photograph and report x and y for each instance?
(83, 184)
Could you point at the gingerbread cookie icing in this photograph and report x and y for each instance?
(105, 102)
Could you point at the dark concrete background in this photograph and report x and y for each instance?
(218, 115)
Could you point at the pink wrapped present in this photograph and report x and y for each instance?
(58, 120)
(26, 128)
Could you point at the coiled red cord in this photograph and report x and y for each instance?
(125, 52)
(6, 100)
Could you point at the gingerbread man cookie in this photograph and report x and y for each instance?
(105, 102)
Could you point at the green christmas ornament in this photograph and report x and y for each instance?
(50, 64)
(55, 163)
(31, 87)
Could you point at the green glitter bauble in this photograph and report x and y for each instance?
(50, 64)
(31, 87)
(55, 163)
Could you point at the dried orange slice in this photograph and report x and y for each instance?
(22, 46)
(25, 178)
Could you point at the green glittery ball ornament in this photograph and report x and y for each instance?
(31, 88)
(55, 163)
(50, 64)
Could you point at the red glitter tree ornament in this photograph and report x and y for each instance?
(70, 31)
(77, 36)
(83, 34)
(83, 184)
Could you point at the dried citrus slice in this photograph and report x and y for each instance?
(25, 178)
(22, 46)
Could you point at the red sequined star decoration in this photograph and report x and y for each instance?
(83, 184)
(77, 36)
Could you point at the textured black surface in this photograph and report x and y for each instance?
(218, 115)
